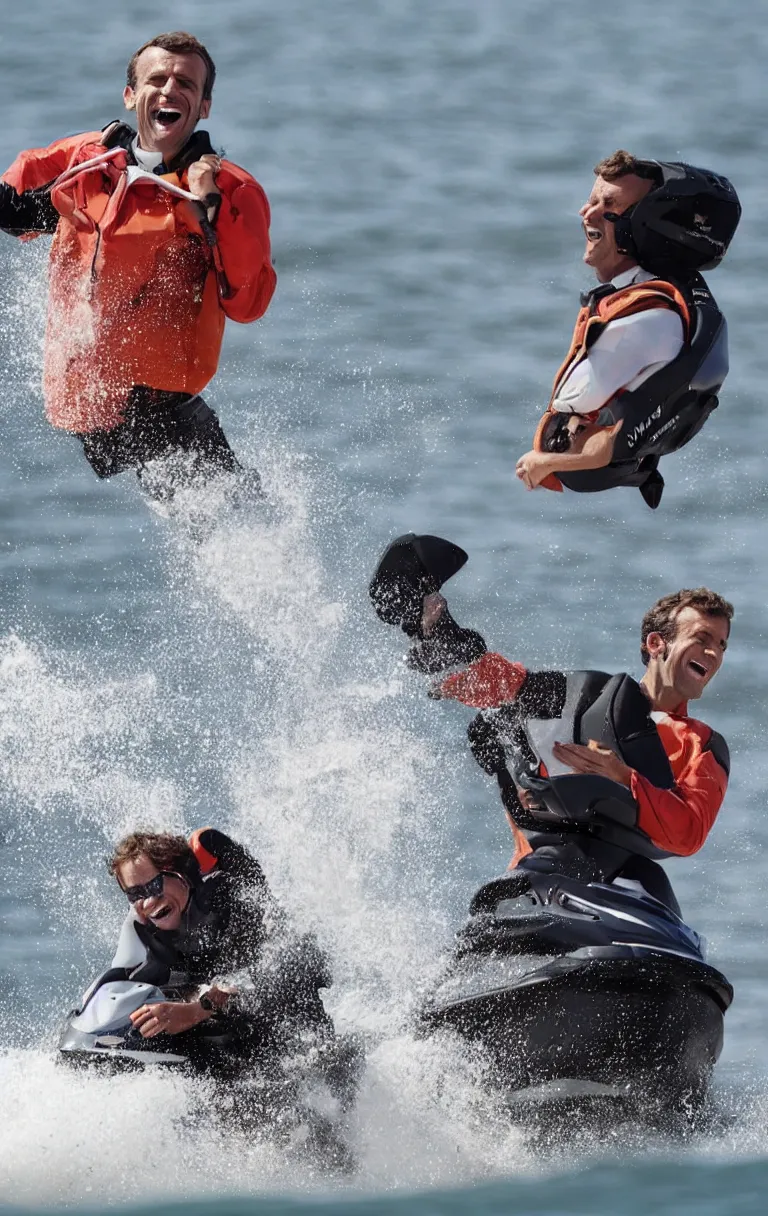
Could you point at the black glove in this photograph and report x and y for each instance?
(448, 645)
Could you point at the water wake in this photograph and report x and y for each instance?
(274, 711)
(319, 769)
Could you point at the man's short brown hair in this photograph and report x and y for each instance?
(621, 164)
(662, 617)
(183, 44)
(164, 850)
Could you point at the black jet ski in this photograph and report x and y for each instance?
(100, 1034)
(575, 971)
(584, 993)
(302, 1100)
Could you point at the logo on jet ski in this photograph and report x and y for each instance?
(641, 428)
(662, 429)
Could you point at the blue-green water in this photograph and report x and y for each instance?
(666, 1190)
(425, 163)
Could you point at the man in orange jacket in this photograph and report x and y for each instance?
(683, 640)
(157, 240)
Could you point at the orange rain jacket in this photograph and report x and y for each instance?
(590, 323)
(677, 820)
(137, 295)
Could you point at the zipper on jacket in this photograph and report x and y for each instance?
(95, 253)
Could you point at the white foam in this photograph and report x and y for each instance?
(334, 782)
(341, 797)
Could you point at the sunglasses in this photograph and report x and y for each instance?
(151, 889)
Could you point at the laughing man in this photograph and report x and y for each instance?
(157, 241)
(649, 351)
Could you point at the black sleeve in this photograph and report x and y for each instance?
(259, 940)
(542, 695)
(719, 749)
(513, 805)
(31, 211)
(447, 646)
(284, 995)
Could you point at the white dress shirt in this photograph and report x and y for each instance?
(146, 160)
(628, 351)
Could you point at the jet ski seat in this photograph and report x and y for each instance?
(589, 859)
(653, 879)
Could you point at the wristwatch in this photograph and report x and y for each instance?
(207, 1004)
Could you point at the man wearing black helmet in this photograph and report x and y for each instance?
(649, 351)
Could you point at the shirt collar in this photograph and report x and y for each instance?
(146, 160)
(680, 711)
(635, 274)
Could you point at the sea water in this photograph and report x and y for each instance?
(425, 164)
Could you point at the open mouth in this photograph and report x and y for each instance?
(166, 118)
(592, 234)
(161, 914)
(698, 669)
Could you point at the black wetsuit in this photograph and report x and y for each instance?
(231, 930)
(155, 425)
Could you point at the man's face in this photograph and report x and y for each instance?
(693, 657)
(168, 99)
(601, 252)
(163, 910)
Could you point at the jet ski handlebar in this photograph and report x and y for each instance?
(509, 886)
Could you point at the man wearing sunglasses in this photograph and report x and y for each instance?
(157, 241)
(193, 930)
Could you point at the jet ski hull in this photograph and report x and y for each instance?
(116, 1053)
(652, 1028)
(302, 1092)
(584, 985)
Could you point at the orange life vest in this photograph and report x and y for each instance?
(677, 820)
(207, 860)
(135, 285)
(214, 850)
(590, 323)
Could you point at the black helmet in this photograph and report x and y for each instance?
(683, 225)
